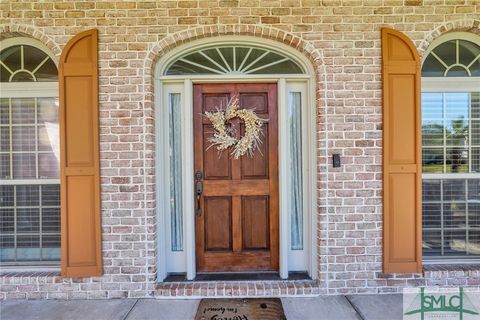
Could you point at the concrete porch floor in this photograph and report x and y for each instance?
(367, 307)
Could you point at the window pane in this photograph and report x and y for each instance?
(457, 105)
(7, 221)
(11, 57)
(23, 111)
(431, 215)
(51, 195)
(454, 215)
(32, 57)
(455, 242)
(6, 196)
(7, 247)
(4, 111)
(24, 166)
(27, 195)
(174, 109)
(456, 160)
(432, 242)
(447, 52)
(296, 203)
(51, 247)
(457, 71)
(4, 139)
(4, 166)
(453, 190)
(47, 110)
(468, 51)
(474, 214)
(47, 72)
(432, 133)
(432, 67)
(28, 220)
(431, 190)
(474, 189)
(23, 138)
(473, 244)
(22, 76)
(28, 247)
(4, 74)
(51, 220)
(432, 105)
(47, 166)
(432, 160)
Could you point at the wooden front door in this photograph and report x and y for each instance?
(237, 228)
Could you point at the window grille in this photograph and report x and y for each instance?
(29, 158)
(451, 152)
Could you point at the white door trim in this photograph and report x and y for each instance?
(286, 83)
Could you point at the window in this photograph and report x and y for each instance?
(29, 154)
(233, 59)
(451, 148)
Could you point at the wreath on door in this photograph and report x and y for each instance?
(224, 136)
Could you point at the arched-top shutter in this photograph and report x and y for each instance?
(79, 157)
(402, 208)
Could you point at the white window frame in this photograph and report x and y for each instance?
(29, 90)
(184, 261)
(445, 85)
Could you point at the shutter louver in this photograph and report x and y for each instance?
(402, 169)
(79, 145)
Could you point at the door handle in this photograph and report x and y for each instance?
(199, 191)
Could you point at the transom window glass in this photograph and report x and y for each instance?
(451, 151)
(29, 155)
(233, 59)
(453, 58)
(24, 63)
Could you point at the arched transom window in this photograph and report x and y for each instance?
(26, 63)
(453, 58)
(233, 59)
(451, 148)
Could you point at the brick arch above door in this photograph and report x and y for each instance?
(174, 40)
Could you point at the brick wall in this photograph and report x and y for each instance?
(341, 38)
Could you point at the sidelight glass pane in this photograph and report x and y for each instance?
(175, 149)
(296, 201)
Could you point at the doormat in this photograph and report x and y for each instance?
(240, 309)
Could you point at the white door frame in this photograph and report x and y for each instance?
(289, 259)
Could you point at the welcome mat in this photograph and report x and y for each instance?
(240, 309)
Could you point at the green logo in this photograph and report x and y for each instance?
(438, 302)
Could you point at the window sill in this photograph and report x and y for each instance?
(29, 271)
(452, 267)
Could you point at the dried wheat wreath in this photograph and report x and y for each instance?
(223, 137)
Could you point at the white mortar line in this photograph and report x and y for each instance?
(147, 283)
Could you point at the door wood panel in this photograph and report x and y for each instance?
(218, 211)
(238, 227)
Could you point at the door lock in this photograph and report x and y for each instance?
(199, 191)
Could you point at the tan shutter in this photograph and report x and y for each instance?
(79, 157)
(402, 169)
